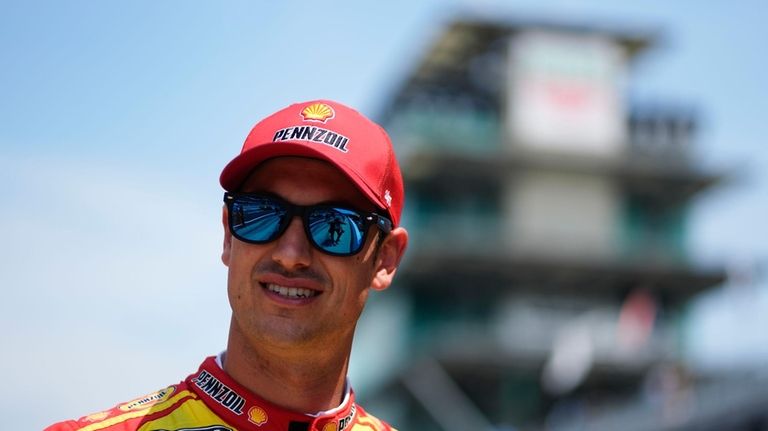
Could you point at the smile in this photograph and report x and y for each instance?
(291, 292)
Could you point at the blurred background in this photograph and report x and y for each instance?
(587, 186)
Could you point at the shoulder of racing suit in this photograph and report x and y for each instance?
(210, 400)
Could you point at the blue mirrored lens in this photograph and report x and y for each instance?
(336, 230)
(257, 219)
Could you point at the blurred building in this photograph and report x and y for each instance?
(548, 271)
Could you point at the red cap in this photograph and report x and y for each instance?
(330, 131)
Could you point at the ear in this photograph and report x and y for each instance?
(227, 249)
(390, 253)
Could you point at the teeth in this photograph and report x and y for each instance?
(291, 292)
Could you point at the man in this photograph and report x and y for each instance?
(295, 296)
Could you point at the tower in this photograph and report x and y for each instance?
(548, 268)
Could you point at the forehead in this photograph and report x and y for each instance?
(304, 181)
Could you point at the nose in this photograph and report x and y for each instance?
(292, 250)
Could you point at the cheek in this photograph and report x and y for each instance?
(241, 263)
(357, 278)
(235, 285)
(244, 255)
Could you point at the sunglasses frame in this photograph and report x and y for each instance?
(303, 211)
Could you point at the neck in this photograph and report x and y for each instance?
(301, 380)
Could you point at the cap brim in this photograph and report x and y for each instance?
(238, 169)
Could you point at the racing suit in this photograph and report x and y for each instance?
(210, 400)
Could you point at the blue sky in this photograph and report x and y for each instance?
(116, 119)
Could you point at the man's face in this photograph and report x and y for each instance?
(288, 294)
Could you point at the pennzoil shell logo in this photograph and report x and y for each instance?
(318, 112)
(148, 400)
(330, 426)
(257, 415)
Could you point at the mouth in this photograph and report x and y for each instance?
(291, 292)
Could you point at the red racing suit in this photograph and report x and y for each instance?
(210, 400)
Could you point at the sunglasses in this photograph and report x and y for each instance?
(332, 229)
